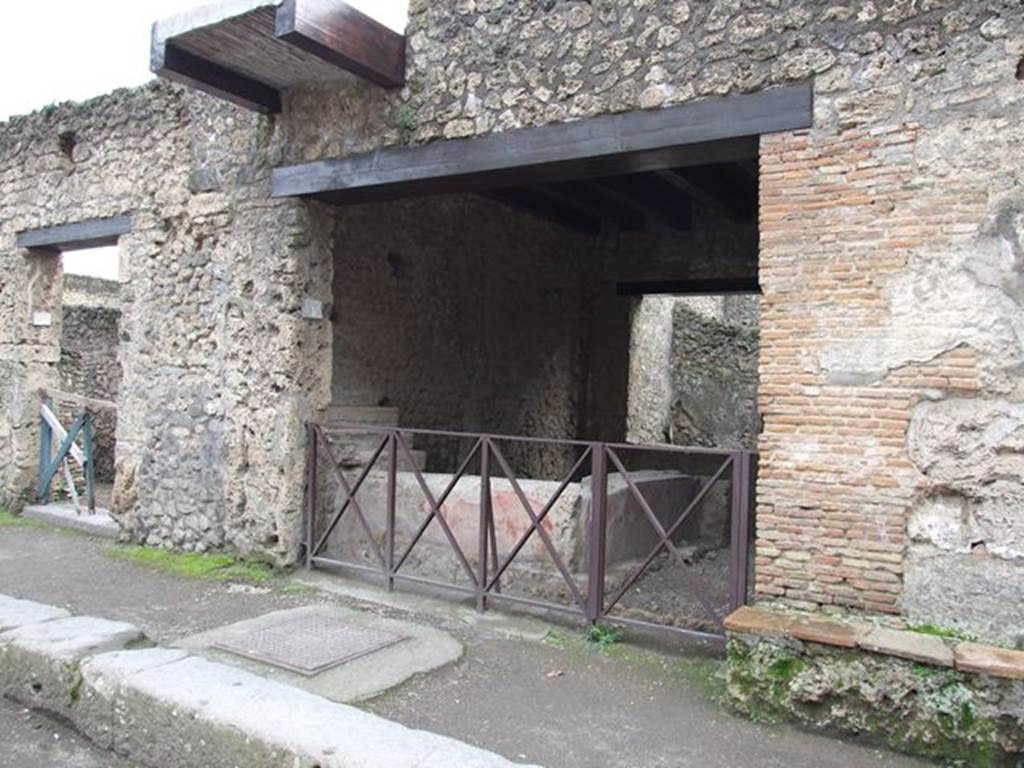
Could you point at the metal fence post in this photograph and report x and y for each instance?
(485, 516)
(392, 504)
(739, 560)
(310, 533)
(598, 529)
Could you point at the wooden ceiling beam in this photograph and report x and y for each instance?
(173, 63)
(545, 207)
(661, 202)
(727, 188)
(331, 30)
(592, 200)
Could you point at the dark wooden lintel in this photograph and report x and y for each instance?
(708, 131)
(336, 32)
(92, 233)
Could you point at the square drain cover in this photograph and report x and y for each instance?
(309, 644)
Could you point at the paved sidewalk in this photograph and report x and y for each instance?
(556, 702)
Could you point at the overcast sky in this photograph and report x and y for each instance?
(60, 50)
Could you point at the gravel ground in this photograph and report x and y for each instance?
(31, 740)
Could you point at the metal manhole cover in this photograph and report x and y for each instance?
(309, 644)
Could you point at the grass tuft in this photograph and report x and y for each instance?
(10, 520)
(195, 565)
(604, 636)
(943, 632)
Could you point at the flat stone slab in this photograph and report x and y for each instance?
(828, 632)
(748, 620)
(17, 613)
(758, 621)
(195, 712)
(71, 638)
(914, 646)
(422, 650)
(989, 660)
(100, 524)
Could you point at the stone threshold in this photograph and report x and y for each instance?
(965, 656)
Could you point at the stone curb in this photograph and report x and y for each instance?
(975, 658)
(162, 707)
(101, 524)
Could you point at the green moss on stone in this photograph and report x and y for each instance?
(197, 565)
(914, 708)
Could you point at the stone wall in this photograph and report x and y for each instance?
(89, 367)
(693, 372)
(464, 314)
(219, 368)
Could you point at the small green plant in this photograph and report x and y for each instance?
(944, 632)
(603, 635)
(295, 589)
(405, 122)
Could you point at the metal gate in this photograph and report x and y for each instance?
(580, 572)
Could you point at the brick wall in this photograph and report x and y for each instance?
(841, 218)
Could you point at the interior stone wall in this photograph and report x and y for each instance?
(693, 372)
(464, 314)
(89, 367)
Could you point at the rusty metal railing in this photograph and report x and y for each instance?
(483, 568)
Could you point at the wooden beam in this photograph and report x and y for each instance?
(659, 201)
(92, 233)
(593, 200)
(337, 33)
(727, 188)
(535, 204)
(174, 63)
(708, 287)
(713, 130)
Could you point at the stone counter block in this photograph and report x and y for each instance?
(914, 646)
(16, 613)
(989, 660)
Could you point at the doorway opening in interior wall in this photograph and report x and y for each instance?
(89, 368)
